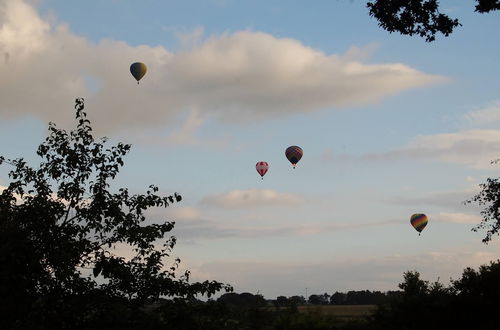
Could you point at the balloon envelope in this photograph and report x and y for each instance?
(419, 221)
(262, 168)
(138, 70)
(294, 154)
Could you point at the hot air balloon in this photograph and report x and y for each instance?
(262, 168)
(138, 70)
(419, 221)
(294, 154)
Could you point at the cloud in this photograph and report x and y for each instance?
(237, 76)
(186, 133)
(274, 278)
(473, 148)
(456, 218)
(251, 198)
(361, 53)
(210, 229)
(470, 179)
(484, 117)
(451, 200)
(193, 224)
(183, 213)
(192, 38)
(327, 155)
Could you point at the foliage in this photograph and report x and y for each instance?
(363, 297)
(281, 301)
(60, 226)
(472, 302)
(420, 17)
(242, 300)
(319, 299)
(489, 196)
(297, 300)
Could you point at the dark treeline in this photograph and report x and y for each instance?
(363, 297)
(470, 302)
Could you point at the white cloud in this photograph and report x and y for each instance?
(186, 134)
(210, 229)
(470, 179)
(361, 53)
(450, 200)
(240, 76)
(474, 148)
(184, 213)
(194, 224)
(22, 32)
(486, 116)
(192, 38)
(456, 218)
(251, 198)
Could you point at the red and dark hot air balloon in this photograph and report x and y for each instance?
(262, 168)
(294, 154)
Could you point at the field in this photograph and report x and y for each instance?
(339, 311)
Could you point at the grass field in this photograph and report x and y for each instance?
(339, 311)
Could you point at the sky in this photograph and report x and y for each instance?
(390, 126)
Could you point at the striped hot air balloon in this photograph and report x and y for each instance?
(419, 221)
(294, 154)
(262, 168)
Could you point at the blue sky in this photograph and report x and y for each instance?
(390, 125)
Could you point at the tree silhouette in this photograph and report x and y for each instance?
(471, 302)
(60, 226)
(420, 17)
(488, 196)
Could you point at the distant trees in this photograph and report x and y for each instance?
(420, 17)
(363, 297)
(297, 300)
(282, 301)
(471, 302)
(60, 230)
(319, 299)
(242, 300)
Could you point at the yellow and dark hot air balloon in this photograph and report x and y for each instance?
(138, 70)
(294, 154)
(419, 221)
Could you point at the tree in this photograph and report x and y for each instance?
(297, 300)
(478, 293)
(282, 301)
(319, 299)
(420, 17)
(59, 227)
(472, 302)
(243, 300)
(338, 298)
(488, 196)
